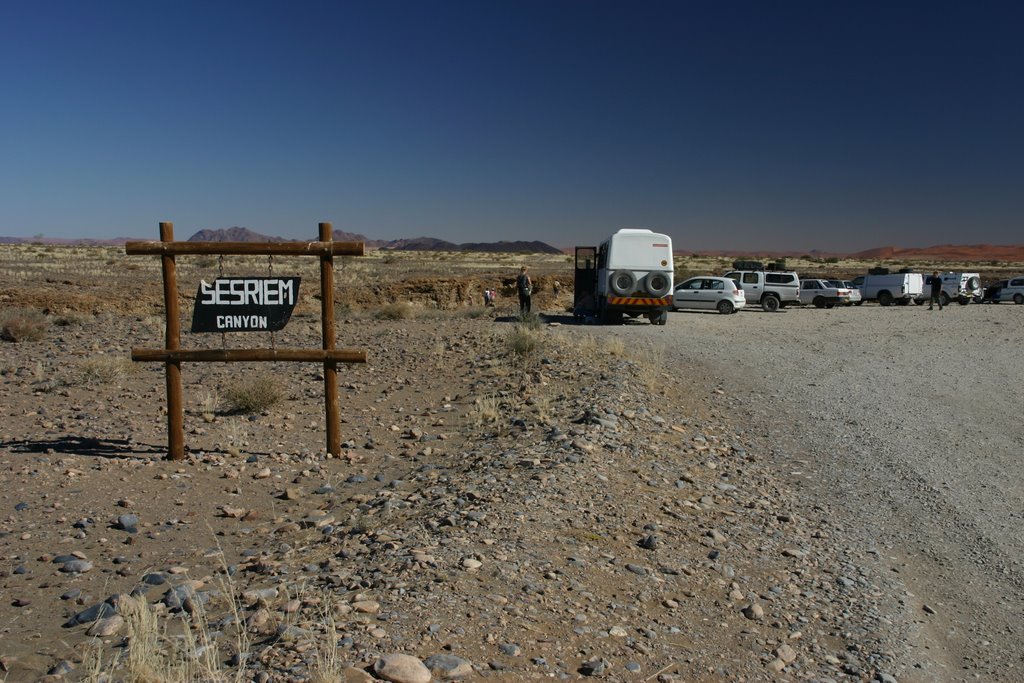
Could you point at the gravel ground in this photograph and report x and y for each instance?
(903, 427)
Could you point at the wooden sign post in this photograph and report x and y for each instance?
(172, 355)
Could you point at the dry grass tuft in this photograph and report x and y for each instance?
(487, 410)
(253, 394)
(524, 342)
(650, 365)
(614, 346)
(23, 324)
(395, 311)
(106, 370)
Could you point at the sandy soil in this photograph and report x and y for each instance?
(633, 503)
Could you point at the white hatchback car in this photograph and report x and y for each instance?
(709, 293)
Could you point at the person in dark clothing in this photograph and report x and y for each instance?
(936, 291)
(524, 285)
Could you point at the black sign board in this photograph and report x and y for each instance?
(245, 304)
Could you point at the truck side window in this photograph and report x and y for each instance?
(750, 278)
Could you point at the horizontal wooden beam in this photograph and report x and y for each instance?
(233, 355)
(152, 248)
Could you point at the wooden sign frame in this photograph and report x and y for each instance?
(173, 355)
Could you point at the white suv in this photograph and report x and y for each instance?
(773, 290)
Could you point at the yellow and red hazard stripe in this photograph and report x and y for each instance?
(638, 301)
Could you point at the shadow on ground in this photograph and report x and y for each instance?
(87, 446)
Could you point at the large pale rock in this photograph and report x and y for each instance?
(399, 668)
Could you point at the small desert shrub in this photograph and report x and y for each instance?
(487, 409)
(524, 341)
(70, 319)
(395, 311)
(22, 324)
(252, 394)
(106, 370)
(531, 320)
(474, 312)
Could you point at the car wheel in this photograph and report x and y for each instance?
(770, 303)
(964, 300)
(885, 298)
(819, 302)
(858, 303)
(1018, 299)
(725, 307)
(944, 298)
(903, 302)
(830, 305)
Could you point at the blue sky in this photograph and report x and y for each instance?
(735, 125)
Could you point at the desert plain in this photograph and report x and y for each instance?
(812, 495)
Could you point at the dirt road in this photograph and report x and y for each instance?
(904, 427)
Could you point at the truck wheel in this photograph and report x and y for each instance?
(944, 298)
(964, 300)
(770, 303)
(859, 303)
(1018, 299)
(659, 318)
(903, 302)
(819, 301)
(919, 302)
(830, 305)
(885, 298)
(725, 307)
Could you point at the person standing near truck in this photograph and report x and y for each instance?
(936, 291)
(524, 285)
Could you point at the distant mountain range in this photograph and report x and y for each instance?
(941, 252)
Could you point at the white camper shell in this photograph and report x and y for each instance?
(629, 274)
(890, 288)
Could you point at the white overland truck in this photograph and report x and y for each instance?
(890, 288)
(960, 287)
(773, 288)
(629, 274)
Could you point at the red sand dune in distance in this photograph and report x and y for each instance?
(946, 252)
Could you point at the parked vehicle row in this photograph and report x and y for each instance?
(631, 274)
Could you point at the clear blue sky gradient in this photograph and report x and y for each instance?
(733, 125)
